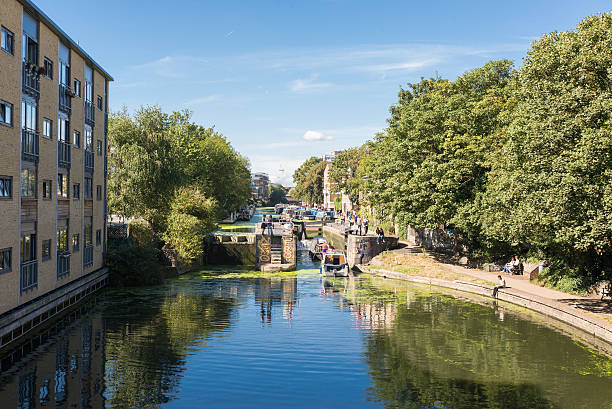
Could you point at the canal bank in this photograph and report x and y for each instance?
(587, 314)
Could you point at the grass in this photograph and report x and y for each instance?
(420, 265)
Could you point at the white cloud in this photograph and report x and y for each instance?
(316, 136)
(403, 66)
(308, 85)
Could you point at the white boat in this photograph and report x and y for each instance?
(334, 264)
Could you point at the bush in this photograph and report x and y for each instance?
(132, 265)
(141, 232)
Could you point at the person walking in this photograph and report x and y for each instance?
(359, 223)
(365, 225)
(270, 226)
(502, 284)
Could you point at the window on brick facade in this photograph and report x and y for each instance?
(46, 189)
(100, 107)
(76, 139)
(75, 242)
(47, 128)
(98, 237)
(99, 147)
(28, 183)
(28, 248)
(5, 260)
(63, 129)
(6, 187)
(76, 191)
(77, 88)
(62, 186)
(62, 240)
(7, 41)
(98, 192)
(46, 249)
(88, 189)
(6, 113)
(48, 68)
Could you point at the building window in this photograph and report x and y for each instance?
(28, 183)
(28, 115)
(62, 186)
(99, 148)
(6, 187)
(46, 249)
(28, 248)
(47, 189)
(47, 128)
(88, 189)
(98, 192)
(98, 237)
(7, 41)
(87, 231)
(99, 102)
(76, 191)
(62, 240)
(48, 68)
(6, 113)
(77, 88)
(76, 139)
(5, 260)
(75, 242)
(63, 129)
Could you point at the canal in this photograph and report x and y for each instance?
(239, 339)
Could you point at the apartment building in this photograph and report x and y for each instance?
(53, 128)
(260, 183)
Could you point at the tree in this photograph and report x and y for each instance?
(551, 187)
(344, 173)
(312, 184)
(277, 194)
(300, 177)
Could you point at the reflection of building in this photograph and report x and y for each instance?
(53, 128)
(276, 292)
(377, 315)
(67, 369)
(260, 186)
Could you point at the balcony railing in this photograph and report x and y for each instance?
(29, 275)
(65, 99)
(63, 154)
(63, 264)
(30, 147)
(89, 161)
(90, 113)
(31, 79)
(88, 256)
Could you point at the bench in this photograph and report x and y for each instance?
(517, 269)
(606, 291)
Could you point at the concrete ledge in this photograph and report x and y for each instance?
(28, 316)
(544, 306)
(275, 268)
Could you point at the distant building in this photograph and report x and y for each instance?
(328, 195)
(330, 156)
(260, 183)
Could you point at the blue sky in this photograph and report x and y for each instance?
(285, 80)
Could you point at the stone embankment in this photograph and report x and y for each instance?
(588, 314)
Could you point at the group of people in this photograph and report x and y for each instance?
(512, 266)
(358, 224)
(267, 223)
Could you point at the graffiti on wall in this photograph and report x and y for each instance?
(263, 249)
(288, 249)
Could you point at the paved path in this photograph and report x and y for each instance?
(583, 312)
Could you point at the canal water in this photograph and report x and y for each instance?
(239, 339)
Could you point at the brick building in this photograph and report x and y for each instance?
(53, 128)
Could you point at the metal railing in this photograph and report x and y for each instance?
(90, 113)
(31, 79)
(30, 145)
(29, 275)
(87, 256)
(63, 154)
(63, 264)
(89, 161)
(65, 99)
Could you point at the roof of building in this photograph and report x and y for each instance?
(37, 12)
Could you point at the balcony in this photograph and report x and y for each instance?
(63, 154)
(30, 145)
(88, 256)
(65, 99)
(63, 264)
(89, 161)
(90, 113)
(29, 275)
(31, 79)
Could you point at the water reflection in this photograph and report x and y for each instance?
(351, 342)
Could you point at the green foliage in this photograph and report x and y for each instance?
(301, 178)
(338, 203)
(192, 215)
(131, 264)
(344, 172)
(312, 186)
(141, 233)
(277, 194)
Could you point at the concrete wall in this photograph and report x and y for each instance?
(369, 247)
(229, 252)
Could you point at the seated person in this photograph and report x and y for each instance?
(509, 265)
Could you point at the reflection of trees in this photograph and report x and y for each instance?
(146, 351)
(431, 348)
